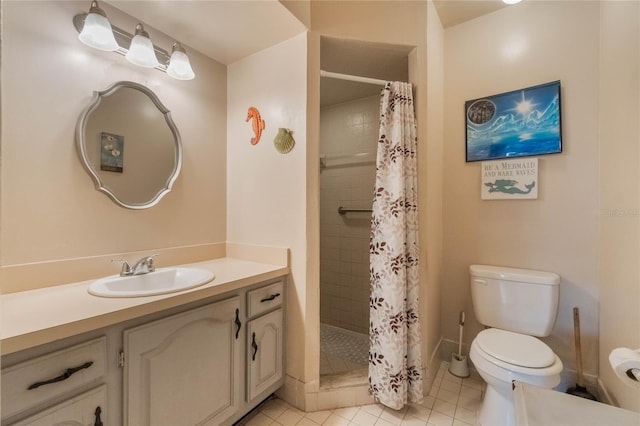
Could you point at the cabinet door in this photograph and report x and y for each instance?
(264, 353)
(184, 369)
(87, 409)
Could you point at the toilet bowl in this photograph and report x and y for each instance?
(501, 357)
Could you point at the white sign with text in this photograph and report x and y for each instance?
(509, 179)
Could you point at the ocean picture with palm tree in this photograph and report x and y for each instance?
(514, 124)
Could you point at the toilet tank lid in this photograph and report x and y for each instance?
(514, 274)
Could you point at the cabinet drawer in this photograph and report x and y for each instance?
(83, 364)
(265, 298)
(84, 409)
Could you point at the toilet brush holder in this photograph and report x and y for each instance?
(459, 366)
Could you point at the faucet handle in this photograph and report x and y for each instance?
(126, 268)
(149, 262)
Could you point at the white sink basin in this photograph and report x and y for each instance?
(164, 280)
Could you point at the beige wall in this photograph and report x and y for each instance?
(266, 190)
(619, 270)
(50, 209)
(431, 172)
(516, 47)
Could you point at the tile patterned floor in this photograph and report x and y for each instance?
(451, 402)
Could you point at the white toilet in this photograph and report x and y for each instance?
(518, 304)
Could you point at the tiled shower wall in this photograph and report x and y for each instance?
(348, 181)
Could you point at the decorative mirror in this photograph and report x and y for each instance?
(129, 145)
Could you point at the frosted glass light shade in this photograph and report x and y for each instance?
(511, 1)
(141, 51)
(179, 65)
(97, 31)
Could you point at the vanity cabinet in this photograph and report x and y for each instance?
(184, 369)
(208, 362)
(265, 340)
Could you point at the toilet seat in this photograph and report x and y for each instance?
(514, 349)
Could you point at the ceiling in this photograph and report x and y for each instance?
(453, 12)
(225, 30)
(229, 30)
(383, 61)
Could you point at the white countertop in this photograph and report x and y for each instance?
(35, 317)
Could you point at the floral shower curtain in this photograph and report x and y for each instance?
(394, 355)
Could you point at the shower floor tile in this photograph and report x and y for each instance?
(342, 351)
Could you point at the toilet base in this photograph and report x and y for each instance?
(497, 408)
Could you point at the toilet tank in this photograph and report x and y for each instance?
(519, 300)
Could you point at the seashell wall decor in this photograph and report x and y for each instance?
(284, 141)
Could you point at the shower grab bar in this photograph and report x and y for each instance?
(343, 211)
(346, 160)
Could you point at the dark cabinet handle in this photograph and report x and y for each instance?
(64, 376)
(270, 298)
(254, 345)
(238, 323)
(98, 422)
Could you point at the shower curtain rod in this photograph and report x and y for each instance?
(348, 77)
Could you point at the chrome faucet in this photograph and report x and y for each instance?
(142, 266)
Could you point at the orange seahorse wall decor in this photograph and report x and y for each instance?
(257, 124)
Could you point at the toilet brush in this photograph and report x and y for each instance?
(458, 365)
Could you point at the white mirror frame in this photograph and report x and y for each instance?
(82, 152)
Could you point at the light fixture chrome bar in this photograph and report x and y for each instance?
(123, 39)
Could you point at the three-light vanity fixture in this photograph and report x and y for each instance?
(96, 31)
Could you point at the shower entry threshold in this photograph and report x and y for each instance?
(345, 380)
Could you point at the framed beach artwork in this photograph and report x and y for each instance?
(520, 123)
